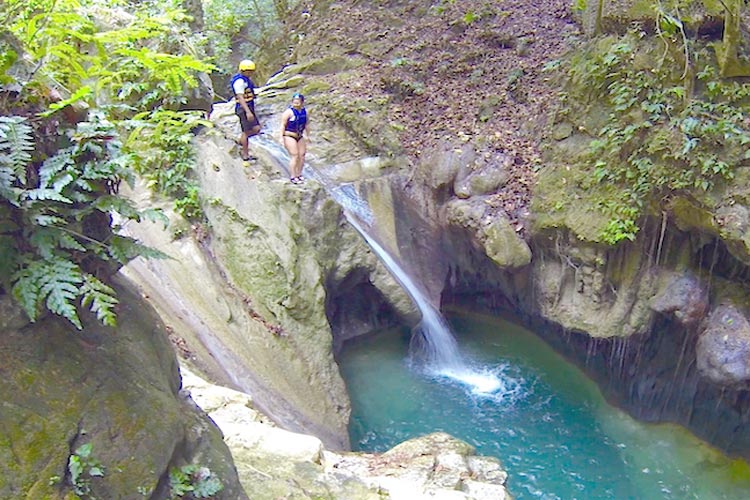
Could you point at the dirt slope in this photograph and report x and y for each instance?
(461, 71)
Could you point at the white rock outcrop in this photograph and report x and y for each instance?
(273, 463)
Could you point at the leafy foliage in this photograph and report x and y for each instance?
(83, 86)
(668, 131)
(257, 22)
(82, 468)
(192, 481)
(54, 228)
(165, 157)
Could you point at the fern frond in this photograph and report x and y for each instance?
(16, 145)
(80, 94)
(155, 215)
(54, 282)
(122, 206)
(47, 220)
(124, 249)
(100, 299)
(46, 240)
(27, 284)
(44, 194)
(55, 172)
(7, 190)
(61, 295)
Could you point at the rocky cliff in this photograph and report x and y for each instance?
(495, 135)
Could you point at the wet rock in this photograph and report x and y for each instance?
(724, 347)
(683, 296)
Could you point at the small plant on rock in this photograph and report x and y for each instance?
(193, 481)
(82, 468)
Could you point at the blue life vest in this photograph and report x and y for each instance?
(249, 92)
(297, 122)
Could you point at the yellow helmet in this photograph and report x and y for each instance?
(247, 65)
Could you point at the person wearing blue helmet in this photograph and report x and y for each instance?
(244, 94)
(294, 122)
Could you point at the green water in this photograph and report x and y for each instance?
(548, 424)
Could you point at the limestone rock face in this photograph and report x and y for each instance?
(724, 347)
(255, 297)
(495, 235)
(574, 287)
(274, 463)
(102, 387)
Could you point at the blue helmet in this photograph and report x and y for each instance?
(296, 95)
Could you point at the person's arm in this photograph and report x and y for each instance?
(240, 96)
(284, 120)
(243, 104)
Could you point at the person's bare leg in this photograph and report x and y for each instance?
(243, 143)
(301, 150)
(291, 147)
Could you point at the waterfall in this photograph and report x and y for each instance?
(432, 340)
(433, 343)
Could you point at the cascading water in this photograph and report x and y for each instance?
(433, 345)
(432, 341)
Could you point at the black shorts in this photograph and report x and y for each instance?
(247, 125)
(294, 135)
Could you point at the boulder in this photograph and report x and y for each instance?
(684, 296)
(92, 395)
(724, 347)
(494, 234)
(274, 463)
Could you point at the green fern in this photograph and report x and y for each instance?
(16, 145)
(53, 282)
(57, 200)
(124, 249)
(47, 230)
(46, 241)
(100, 299)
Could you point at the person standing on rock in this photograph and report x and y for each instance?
(244, 94)
(293, 123)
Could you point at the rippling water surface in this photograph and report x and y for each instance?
(548, 424)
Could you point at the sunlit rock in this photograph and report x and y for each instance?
(273, 463)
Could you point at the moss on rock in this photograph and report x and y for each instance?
(100, 386)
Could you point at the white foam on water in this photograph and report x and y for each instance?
(478, 382)
(484, 383)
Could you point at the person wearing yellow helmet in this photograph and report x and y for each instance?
(244, 94)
